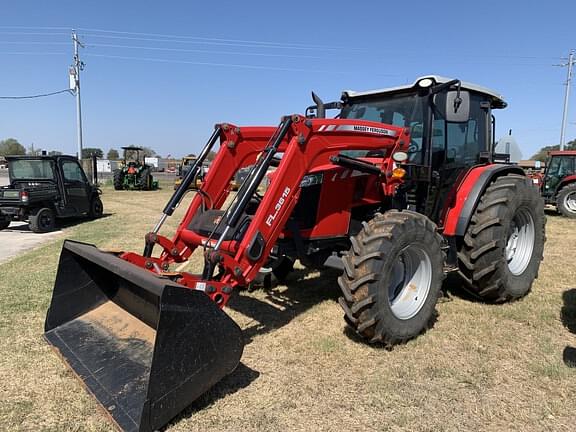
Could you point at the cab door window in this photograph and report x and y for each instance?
(72, 172)
(561, 166)
(464, 141)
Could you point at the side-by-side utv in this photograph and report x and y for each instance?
(397, 190)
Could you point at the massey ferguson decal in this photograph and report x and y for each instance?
(358, 128)
(278, 206)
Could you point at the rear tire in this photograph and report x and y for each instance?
(4, 223)
(501, 252)
(144, 181)
(566, 201)
(118, 179)
(393, 276)
(42, 220)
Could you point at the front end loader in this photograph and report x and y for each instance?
(397, 191)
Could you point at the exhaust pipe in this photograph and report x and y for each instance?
(144, 346)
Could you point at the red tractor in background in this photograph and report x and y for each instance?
(559, 182)
(399, 189)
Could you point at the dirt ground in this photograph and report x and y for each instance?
(481, 367)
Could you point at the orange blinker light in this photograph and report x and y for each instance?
(398, 173)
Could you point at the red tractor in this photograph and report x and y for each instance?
(559, 182)
(397, 190)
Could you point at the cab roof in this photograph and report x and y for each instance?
(563, 153)
(497, 100)
(41, 157)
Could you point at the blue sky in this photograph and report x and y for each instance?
(251, 62)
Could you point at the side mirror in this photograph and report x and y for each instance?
(457, 106)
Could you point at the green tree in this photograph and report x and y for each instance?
(542, 154)
(11, 146)
(89, 151)
(113, 154)
(147, 152)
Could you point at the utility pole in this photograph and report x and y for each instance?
(75, 69)
(566, 97)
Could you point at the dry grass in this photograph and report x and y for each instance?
(481, 367)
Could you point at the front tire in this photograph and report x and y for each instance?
(566, 201)
(42, 220)
(96, 208)
(501, 252)
(393, 276)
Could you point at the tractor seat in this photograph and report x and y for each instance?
(205, 222)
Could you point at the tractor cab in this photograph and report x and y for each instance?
(131, 156)
(450, 127)
(560, 168)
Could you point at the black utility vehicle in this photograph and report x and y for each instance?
(44, 188)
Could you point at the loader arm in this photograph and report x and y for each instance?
(307, 144)
(239, 148)
(311, 145)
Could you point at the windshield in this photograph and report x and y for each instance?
(32, 169)
(398, 110)
(404, 110)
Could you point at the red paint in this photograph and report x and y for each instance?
(307, 148)
(457, 204)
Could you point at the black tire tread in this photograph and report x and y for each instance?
(368, 251)
(34, 221)
(118, 179)
(482, 264)
(570, 187)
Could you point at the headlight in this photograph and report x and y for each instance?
(311, 180)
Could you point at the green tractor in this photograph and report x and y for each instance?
(134, 174)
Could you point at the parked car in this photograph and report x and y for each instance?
(46, 188)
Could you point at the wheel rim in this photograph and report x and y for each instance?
(410, 282)
(97, 208)
(570, 202)
(45, 220)
(520, 242)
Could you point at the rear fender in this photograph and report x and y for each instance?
(565, 182)
(468, 194)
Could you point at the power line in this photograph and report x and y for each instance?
(207, 42)
(242, 66)
(201, 38)
(38, 95)
(32, 43)
(32, 53)
(259, 44)
(32, 34)
(199, 51)
(34, 28)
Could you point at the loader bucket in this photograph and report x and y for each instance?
(144, 346)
